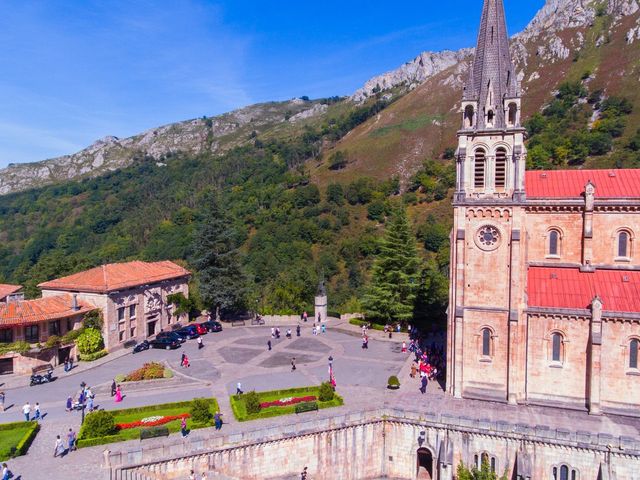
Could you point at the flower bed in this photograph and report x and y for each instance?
(149, 371)
(152, 421)
(283, 402)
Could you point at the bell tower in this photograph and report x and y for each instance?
(485, 357)
(491, 152)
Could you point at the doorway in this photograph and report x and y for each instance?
(64, 354)
(151, 328)
(425, 464)
(6, 366)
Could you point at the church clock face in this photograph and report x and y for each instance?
(488, 238)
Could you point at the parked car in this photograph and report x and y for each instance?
(202, 330)
(212, 326)
(144, 345)
(173, 336)
(165, 342)
(190, 332)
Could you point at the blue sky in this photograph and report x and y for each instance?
(76, 71)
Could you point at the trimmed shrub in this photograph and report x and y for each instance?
(393, 381)
(25, 443)
(154, 432)
(90, 341)
(99, 424)
(200, 411)
(149, 371)
(252, 402)
(52, 341)
(18, 347)
(91, 357)
(306, 407)
(326, 392)
(71, 336)
(120, 378)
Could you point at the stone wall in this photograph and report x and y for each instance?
(382, 444)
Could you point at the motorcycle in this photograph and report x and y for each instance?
(39, 379)
(141, 347)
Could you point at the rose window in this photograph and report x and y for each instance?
(488, 237)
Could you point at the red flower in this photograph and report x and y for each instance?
(162, 421)
(292, 401)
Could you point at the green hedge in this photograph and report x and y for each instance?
(359, 323)
(94, 442)
(90, 357)
(239, 410)
(23, 443)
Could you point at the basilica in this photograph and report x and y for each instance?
(544, 303)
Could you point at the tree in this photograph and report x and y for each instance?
(90, 341)
(484, 473)
(217, 259)
(392, 292)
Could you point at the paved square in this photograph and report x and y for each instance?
(232, 354)
(308, 344)
(281, 359)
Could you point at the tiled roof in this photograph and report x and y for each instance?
(26, 312)
(571, 183)
(117, 276)
(6, 290)
(570, 288)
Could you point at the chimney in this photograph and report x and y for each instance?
(74, 302)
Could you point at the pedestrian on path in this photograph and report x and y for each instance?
(423, 383)
(217, 420)
(293, 364)
(365, 343)
(200, 345)
(90, 398)
(324, 329)
(183, 427)
(118, 394)
(36, 412)
(58, 449)
(269, 344)
(404, 347)
(273, 332)
(26, 410)
(6, 473)
(414, 370)
(2, 399)
(113, 388)
(305, 316)
(289, 333)
(71, 440)
(239, 389)
(298, 331)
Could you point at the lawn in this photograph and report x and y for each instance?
(15, 438)
(131, 415)
(240, 409)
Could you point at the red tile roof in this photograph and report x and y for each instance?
(548, 287)
(26, 312)
(571, 183)
(117, 276)
(6, 290)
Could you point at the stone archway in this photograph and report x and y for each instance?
(424, 464)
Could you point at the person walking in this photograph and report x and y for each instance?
(58, 449)
(71, 440)
(423, 383)
(26, 411)
(217, 420)
(324, 328)
(269, 344)
(239, 389)
(6, 473)
(404, 347)
(36, 412)
(273, 332)
(305, 316)
(293, 364)
(90, 397)
(298, 331)
(69, 406)
(183, 427)
(118, 394)
(2, 399)
(414, 370)
(200, 345)
(113, 388)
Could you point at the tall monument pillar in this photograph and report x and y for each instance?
(321, 310)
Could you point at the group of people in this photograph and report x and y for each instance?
(86, 399)
(68, 364)
(429, 361)
(60, 449)
(27, 409)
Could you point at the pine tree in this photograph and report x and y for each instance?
(396, 271)
(216, 258)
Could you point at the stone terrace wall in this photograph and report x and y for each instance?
(377, 444)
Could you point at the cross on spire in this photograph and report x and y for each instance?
(492, 78)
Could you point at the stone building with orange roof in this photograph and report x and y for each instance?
(34, 322)
(10, 292)
(132, 297)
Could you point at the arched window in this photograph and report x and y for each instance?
(564, 472)
(554, 243)
(623, 244)
(556, 347)
(486, 342)
(501, 167)
(483, 458)
(490, 118)
(469, 112)
(479, 168)
(634, 345)
(513, 114)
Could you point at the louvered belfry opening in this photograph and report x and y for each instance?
(501, 168)
(479, 168)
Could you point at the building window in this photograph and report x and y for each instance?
(121, 314)
(32, 333)
(485, 458)
(486, 342)
(490, 118)
(556, 347)
(469, 112)
(121, 330)
(513, 114)
(501, 168)
(6, 335)
(479, 168)
(132, 311)
(554, 243)
(54, 328)
(132, 328)
(624, 244)
(564, 472)
(634, 345)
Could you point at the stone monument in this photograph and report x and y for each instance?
(320, 314)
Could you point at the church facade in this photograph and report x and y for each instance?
(544, 303)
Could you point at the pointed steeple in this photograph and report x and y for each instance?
(492, 78)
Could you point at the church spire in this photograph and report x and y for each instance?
(492, 79)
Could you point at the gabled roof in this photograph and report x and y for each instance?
(6, 290)
(117, 276)
(569, 288)
(492, 67)
(570, 184)
(27, 312)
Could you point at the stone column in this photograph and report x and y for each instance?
(457, 310)
(516, 343)
(587, 233)
(321, 310)
(594, 357)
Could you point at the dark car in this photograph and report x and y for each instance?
(190, 332)
(212, 326)
(172, 335)
(142, 346)
(165, 342)
(202, 330)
